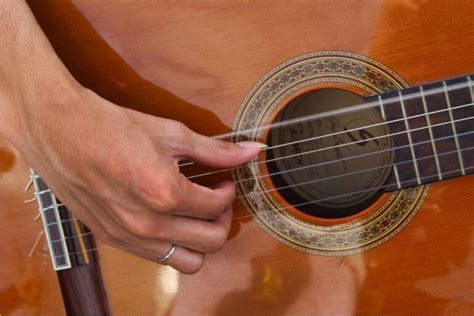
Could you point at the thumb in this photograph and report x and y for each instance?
(219, 153)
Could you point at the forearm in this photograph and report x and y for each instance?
(32, 78)
(117, 169)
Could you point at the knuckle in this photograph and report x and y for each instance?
(192, 264)
(143, 224)
(177, 131)
(134, 223)
(166, 195)
(214, 214)
(140, 228)
(160, 194)
(217, 240)
(224, 204)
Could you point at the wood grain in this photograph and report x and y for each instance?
(195, 62)
(83, 290)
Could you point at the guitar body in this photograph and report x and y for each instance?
(196, 63)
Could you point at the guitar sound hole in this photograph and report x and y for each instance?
(339, 172)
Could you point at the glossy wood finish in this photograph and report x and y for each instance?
(195, 62)
(28, 285)
(83, 290)
(82, 285)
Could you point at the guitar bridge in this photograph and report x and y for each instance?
(49, 210)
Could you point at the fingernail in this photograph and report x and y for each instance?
(248, 144)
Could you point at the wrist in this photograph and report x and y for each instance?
(26, 107)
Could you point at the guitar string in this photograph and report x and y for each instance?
(342, 132)
(297, 184)
(324, 163)
(337, 146)
(259, 162)
(417, 159)
(315, 201)
(330, 162)
(349, 109)
(296, 205)
(359, 107)
(355, 172)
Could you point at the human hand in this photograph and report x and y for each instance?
(117, 171)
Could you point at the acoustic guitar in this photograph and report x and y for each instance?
(362, 203)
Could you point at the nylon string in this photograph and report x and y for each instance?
(314, 181)
(346, 110)
(334, 161)
(349, 109)
(326, 148)
(304, 203)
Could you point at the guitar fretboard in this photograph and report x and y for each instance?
(433, 133)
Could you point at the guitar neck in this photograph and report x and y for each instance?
(72, 249)
(432, 131)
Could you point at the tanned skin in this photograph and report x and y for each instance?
(115, 168)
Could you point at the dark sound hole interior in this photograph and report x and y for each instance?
(333, 176)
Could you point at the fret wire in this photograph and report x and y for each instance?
(404, 146)
(412, 150)
(43, 192)
(73, 236)
(346, 110)
(408, 132)
(307, 182)
(310, 202)
(351, 157)
(299, 184)
(75, 218)
(430, 131)
(395, 168)
(326, 148)
(379, 97)
(361, 171)
(357, 128)
(456, 141)
(66, 220)
(53, 206)
(471, 87)
(350, 109)
(397, 176)
(346, 144)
